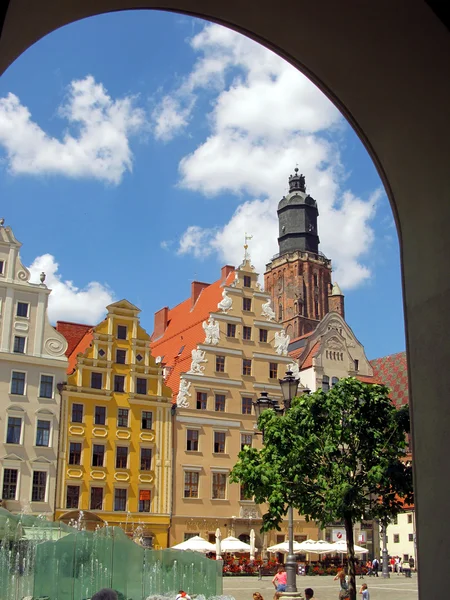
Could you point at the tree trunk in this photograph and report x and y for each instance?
(350, 558)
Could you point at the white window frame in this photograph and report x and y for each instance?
(94, 424)
(28, 311)
(242, 433)
(97, 484)
(145, 489)
(13, 465)
(193, 428)
(192, 469)
(18, 412)
(146, 446)
(25, 348)
(2, 271)
(141, 376)
(34, 469)
(25, 383)
(153, 419)
(124, 444)
(224, 431)
(104, 456)
(44, 416)
(127, 426)
(72, 484)
(53, 386)
(73, 440)
(221, 472)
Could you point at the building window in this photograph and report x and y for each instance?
(98, 455)
(18, 383)
(396, 538)
(141, 386)
(146, 459)
(121, 356)
(121, 457)
(19, 344)
(191, 484)
(280, 312)
(220, 364)
(247, 406)
(145, 498)
(334, 381)
(220, 402)
(263, 335)
(219, 486)
(13, 433)
(96, 381)
(39, 486)
(356, 361)
(246, 440)
(395, 520)
(2, 266)
(316, 309)
(202, 399)
(72, 496)
(75, 453)
(10, 477)
(410, 537)
(409, 518)
(43, 433)
(146, 419)
(247, 281)
(247, 333)
(192, 440)
(77, 413)
(22, 309)
(219, 442)
(247, 304)
(100, 415)
(246, 366)
(46, 386)
(315, 280)
(122, 417)
(231, 330)
(121, 332)
(244, 495)
(96, 498)
(325, 383)
(119, 383)
(273, 370)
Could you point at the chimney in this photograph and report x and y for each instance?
(161, 318)
(226, 270)
(196, 288)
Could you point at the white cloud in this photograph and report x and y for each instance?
(170, 118)
(265, 117)
(68, 302)
(99, 148)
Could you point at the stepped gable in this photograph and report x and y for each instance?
(184, 331)
(78, 336)
(392, 370)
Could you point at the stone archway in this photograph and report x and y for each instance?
(385, 65)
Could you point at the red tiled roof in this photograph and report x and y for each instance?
(184, 331)
(367, 379)
(73, 332)
(308, 362)
(392, 371)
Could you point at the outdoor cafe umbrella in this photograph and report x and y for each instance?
(313, 546)
(196, 544)
(252, 545)
(284, 547)
(232, 544)
(341, 547)
(218, 538)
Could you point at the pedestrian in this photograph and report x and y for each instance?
(280, 579)
(309, 594)
(369, 568)
(257, 596)
(364, 592)
(105, 594)
(411, 562)
(182, 595)
(343, 585)
(375, 565)
(398, 565)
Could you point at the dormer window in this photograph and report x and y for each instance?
(22, 309)
(247, 281)
(121, 332)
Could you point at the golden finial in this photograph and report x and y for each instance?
(247, 237)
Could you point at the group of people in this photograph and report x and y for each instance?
(344, 591)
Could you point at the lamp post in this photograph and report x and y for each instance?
(289, 388)
(384, 553)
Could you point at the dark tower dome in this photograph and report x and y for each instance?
(297, 218)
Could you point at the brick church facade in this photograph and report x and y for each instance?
(298, 278)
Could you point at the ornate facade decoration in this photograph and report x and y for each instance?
(212, 331)
(226, 303)
(249, 512)
(267, 310)
(198, 357)
(183, 393)
(295, 369)
(282, 342)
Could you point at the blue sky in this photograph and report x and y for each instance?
(137, 148)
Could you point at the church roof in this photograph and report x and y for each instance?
(184, 331)
(392, 370)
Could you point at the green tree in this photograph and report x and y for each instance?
(334, 456)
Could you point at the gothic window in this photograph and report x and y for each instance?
(295, 308)
(315, 280)
(316, 309)
(280, 312)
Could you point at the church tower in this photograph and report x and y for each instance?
(299, 277)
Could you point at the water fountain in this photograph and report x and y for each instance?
(40, 559)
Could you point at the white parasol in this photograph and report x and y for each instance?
(218, 538)
(316, 547)
(252, 544)
(196, 544)
(232, 544)
(341, 547)
(284, 547)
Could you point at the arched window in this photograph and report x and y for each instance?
(295, 308)
(325, 383)
(334, 381)
(280, 312)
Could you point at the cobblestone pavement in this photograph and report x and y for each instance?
(397, 587)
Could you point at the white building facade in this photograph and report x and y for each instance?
(32, 364)
(401, 536)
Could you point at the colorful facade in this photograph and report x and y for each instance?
(116, 450)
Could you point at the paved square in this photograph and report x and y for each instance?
(397, 587)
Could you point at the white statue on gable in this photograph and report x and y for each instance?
(198, 357)
(212, 331)
(183, 393)
(267, 310)
(226, 303)
(282, 342)
(294, 368)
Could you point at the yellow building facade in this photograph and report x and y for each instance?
(115, 461)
